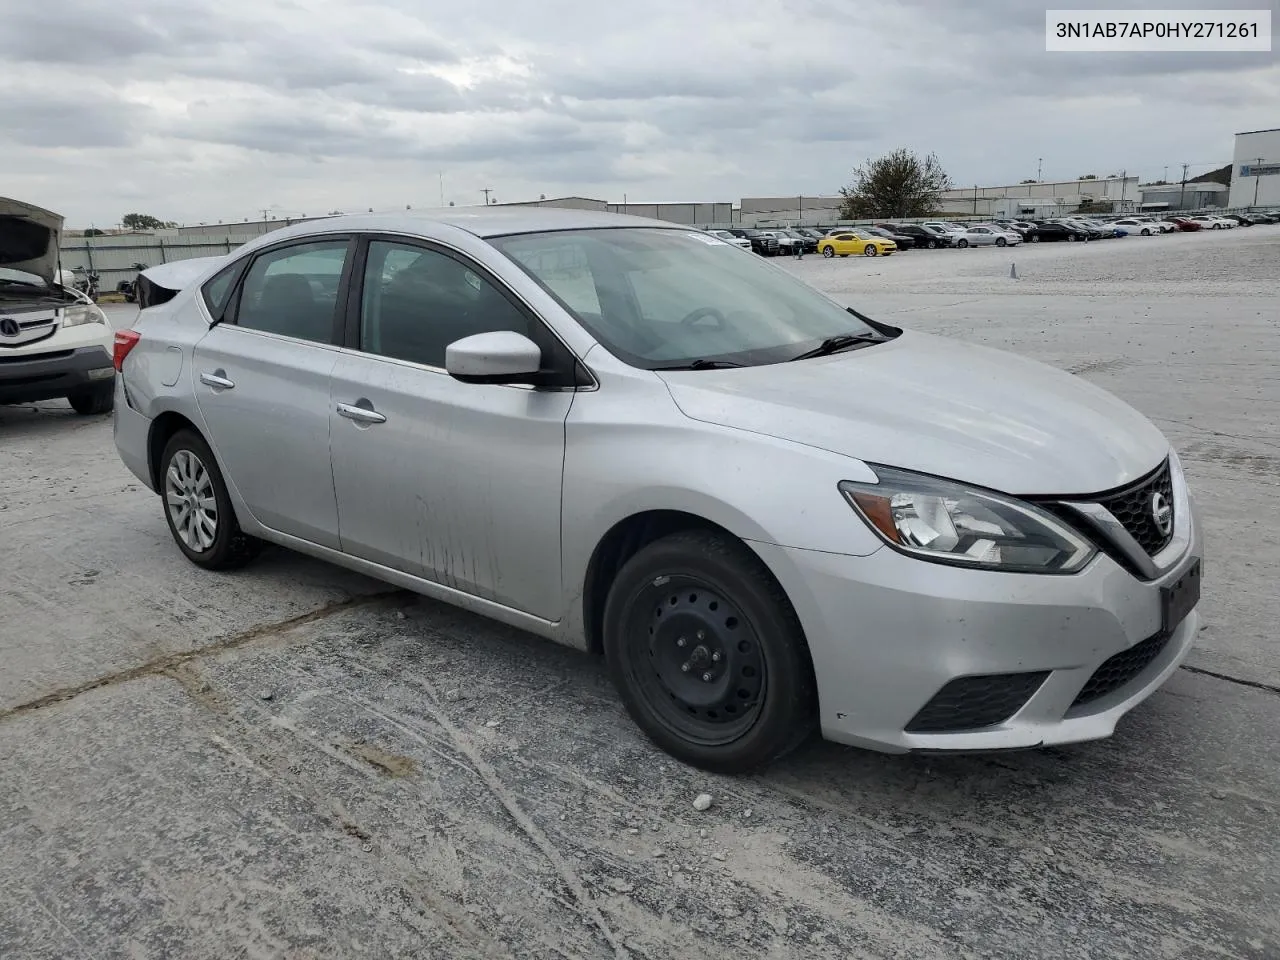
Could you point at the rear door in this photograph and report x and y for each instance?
(262, 384)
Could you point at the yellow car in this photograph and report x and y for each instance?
(855, 241)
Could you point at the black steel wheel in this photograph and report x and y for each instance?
(707, 653)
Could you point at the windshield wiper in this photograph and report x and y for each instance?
(841, 341)
(702, 363)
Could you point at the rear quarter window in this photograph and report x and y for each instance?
(217, 290)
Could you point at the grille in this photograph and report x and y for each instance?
(1120, 669)
(1132, 507)
(969, 703)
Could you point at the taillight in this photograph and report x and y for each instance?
(125, 340)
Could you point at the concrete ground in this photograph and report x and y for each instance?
(295, 762)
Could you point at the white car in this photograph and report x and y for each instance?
(730, 238)
(1144, 228)
(54, 341)
(1214, 223)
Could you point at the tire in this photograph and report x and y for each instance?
(727, 617)
(828, 252)
(94, 400)
(1071, 238)
(1035, 238)
(962, 243)
(188, 469)
(869, 250)
(933, 244)
(1001, 242)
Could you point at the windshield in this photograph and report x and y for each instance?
(656, 298)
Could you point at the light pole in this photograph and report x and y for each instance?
(1039, 167)
(1257, 178)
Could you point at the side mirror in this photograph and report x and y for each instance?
(502, 356)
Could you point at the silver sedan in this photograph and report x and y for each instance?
(610, 432)
(987, 237)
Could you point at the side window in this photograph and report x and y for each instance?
(294, 291)
(217, 291)
(417, 301)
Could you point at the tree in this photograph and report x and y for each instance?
(1028, 181)
(143, 221)
(1089, 176)
(93, 232)
(899, 184)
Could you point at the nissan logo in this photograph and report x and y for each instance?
(9, 327)
(1162, 513)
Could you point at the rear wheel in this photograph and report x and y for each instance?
(1035, 238)
(707, 653)
(94, 400)
(962, 243)
(198, 507)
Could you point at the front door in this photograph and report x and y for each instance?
(262, 385)
(454, 482)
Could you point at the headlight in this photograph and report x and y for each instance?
(950, 523)
(74, 316)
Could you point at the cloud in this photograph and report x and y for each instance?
(203, 112)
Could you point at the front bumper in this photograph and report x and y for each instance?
(888, 632)
(29, 377)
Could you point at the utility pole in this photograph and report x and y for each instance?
(442, 188)
(1039, 167)
(486, 191)
(1182, 195)
(1123, 184)
(1257, 178)
(1164, 177)
(975, 199)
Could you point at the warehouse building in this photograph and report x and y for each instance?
(1192, 195)
(1043, 197)
(1255, 169)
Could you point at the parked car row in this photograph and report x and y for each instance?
(885, 239)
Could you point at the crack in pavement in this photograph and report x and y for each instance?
(1255, 684)
(171, 661)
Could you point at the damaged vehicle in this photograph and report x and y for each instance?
(769, 512)
(54, 341)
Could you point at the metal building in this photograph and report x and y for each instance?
(1255, 169)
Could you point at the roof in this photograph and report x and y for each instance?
(482, 221)
(1246, 133)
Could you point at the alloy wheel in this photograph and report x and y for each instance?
(190, 500)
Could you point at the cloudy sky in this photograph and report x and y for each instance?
(195, 111)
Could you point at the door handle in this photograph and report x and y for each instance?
(360, 414)
(216, 380)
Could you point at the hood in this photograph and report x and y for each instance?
(29, 239)
(941, 407)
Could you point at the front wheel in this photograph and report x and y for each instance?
(708, 654)
(198, 507)
(1071, 238)
(869, 250)
(828, 252)
(1034, 238)
(933, 244)
(94, 400)
(1001, 241)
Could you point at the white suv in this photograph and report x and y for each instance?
(54, 341)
